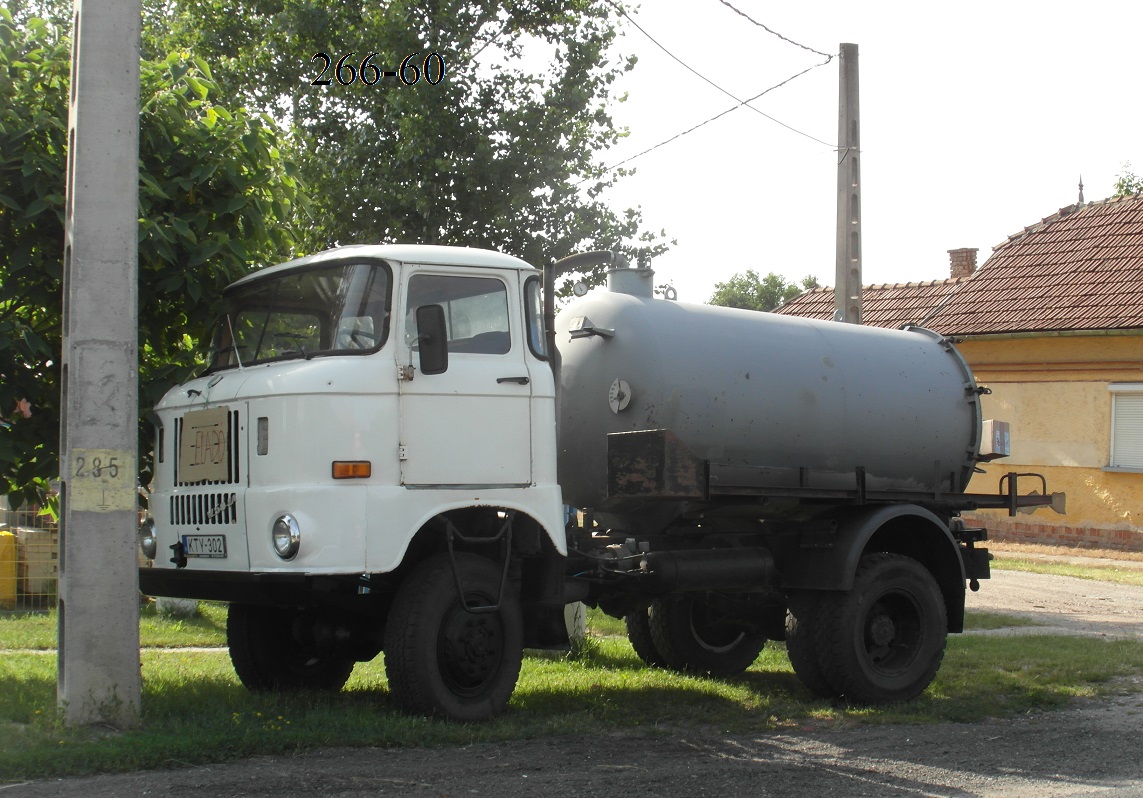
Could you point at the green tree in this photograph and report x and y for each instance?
(1128, 183)
(502, 152)
(748, 291)
(216, 195)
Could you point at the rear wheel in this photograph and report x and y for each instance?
(884, 640)
(270, 651)
(639, 633)
(444, 660)
(802, 621)
(692, 636)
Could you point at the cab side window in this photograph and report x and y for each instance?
(476, 312)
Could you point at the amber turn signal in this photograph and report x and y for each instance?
(352, 469)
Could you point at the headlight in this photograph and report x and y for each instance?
(287, 537)
(147, 542)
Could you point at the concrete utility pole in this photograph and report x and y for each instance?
(847, 285)
(99, 680)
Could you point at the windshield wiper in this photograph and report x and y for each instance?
(297, 340)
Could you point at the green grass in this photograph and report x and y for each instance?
(1103, 573)
(196, 712)
(39, 630)
(978, 620)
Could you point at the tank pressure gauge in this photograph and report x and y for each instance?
(580, 288)
(619, 396)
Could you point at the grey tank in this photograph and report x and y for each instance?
(760, 393)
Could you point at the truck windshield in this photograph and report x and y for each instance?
(334, 309)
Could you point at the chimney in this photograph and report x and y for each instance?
(962, 262)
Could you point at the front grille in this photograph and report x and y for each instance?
(204, 509)
(233, 452)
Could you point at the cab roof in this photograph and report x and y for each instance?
(405, 253)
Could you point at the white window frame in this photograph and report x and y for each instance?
(1126, 427)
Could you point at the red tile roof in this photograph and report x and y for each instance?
(1078, 269)
(890, 305)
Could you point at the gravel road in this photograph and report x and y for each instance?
(1062, 605)
(1090, 749)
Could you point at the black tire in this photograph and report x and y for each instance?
(884, 640)
(693, 637)
(802, 620)
(268, 655)
(639, 633)
(444, 661)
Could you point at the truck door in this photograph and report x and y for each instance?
(470, 425)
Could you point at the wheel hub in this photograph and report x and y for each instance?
(711, 632)
(470, 650)
(882, 630)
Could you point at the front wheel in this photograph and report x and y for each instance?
(692, 636)
(884, 640)
(442, 659)
(271, 651)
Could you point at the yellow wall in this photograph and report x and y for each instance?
(1060, 358)
(1053, 390)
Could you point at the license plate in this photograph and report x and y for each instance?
(208, 546)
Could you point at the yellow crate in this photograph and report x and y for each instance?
(7, 570)
(39, 561)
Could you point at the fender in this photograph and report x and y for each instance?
(899, 528)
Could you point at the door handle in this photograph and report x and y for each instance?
(517, 380)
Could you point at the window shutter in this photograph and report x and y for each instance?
(1127, 430)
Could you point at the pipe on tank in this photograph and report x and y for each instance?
(582, 260)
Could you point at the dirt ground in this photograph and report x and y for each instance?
(1089, 749)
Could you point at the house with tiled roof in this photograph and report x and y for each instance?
(1052, 324)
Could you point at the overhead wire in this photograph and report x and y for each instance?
(718, 116)
(740, 102)
(732, 96)
(774, 32)
(843, 150)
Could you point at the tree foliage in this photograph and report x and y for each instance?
(748, 291)
(216, 194)
(1128, 183)
(33, 88)
(500, 153)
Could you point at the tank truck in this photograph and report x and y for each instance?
(401, 449)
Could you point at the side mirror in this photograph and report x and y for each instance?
(432, 336)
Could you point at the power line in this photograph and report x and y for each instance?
(740, 102)
(720, 115)
(715, 85)
(773, 32)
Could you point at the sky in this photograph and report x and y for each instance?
(977, 119)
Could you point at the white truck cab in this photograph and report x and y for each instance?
(301, 466)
